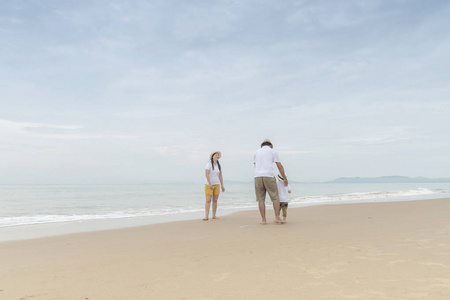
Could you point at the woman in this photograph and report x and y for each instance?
(214, 181)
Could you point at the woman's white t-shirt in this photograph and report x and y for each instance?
(213, 174)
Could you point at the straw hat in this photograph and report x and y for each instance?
(212, 154)
(280, 178)
(266, 141)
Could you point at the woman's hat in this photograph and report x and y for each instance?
(280, 178)
(212, 154)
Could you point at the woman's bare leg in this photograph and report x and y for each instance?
(214, 205)
(207, 206)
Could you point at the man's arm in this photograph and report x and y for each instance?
(281, 169)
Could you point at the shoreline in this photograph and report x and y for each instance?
(44, 230)
(389, 250)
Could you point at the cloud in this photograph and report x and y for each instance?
(11, 126)
(372, 141)
(159, 84)
(50, 131)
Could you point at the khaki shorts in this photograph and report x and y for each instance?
(266, 184)
(214, 191)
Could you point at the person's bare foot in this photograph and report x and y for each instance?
(263, 222)
(279, 221)
(205, 219)
(215, 217)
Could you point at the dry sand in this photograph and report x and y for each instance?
(349, 251)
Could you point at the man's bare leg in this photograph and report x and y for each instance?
(262, 211)
(276, 209)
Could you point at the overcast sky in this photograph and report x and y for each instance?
(143, 91)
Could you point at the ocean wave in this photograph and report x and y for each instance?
(349, 197)
(239, 201)
(47, 219)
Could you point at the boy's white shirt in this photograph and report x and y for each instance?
(283, 191)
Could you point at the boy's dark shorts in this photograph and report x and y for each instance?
(283, 208)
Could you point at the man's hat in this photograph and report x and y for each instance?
(267, 141)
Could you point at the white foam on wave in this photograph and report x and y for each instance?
(238, 203)
(47, 219)
(355, 197)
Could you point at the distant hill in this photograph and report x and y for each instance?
(388, 179)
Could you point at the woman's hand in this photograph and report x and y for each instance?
(223, 189)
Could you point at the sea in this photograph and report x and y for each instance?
(35, 211)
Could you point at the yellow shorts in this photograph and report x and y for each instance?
(214, 191)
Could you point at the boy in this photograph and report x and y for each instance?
(283, 194)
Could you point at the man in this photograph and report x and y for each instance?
(265, 179)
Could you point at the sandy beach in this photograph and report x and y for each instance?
(396, 250)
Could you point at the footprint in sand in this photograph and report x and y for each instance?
(244, 226)
(434, 264)
(398, 261)
(221, 276)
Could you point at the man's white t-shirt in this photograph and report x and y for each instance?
(263, 160)
(283, 191)
(213, 174)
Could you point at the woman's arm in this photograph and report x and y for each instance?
(207, 178)
(221, 181)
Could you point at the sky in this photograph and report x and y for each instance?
(125, 92)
